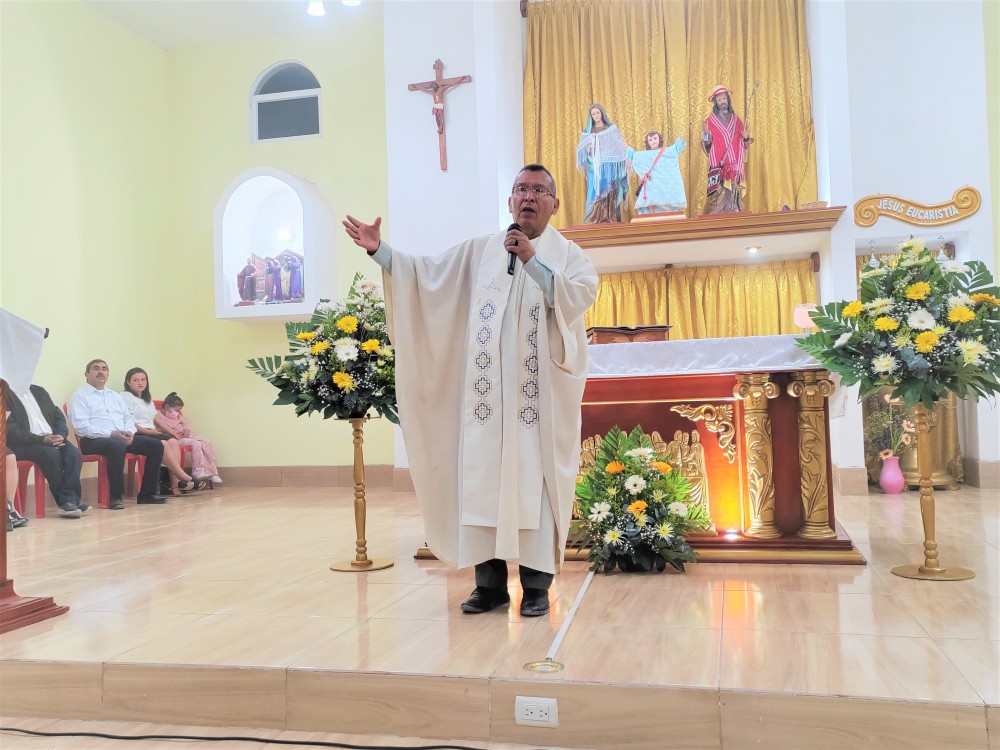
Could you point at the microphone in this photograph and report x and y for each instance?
(510, 253)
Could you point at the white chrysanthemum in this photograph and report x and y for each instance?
(873, 272)
(921, 320)
(599, 511)
(612, 536)
(665, 530)
(643, 453)
(641, 519)
(879, 306)
(386, 351)
(842, 339)
(973, 352)
(366, 286)
(635, 484)
(959, 300)
(678, 509)
(884, 364)
(345, 349)
(954, 266)
(901, 340)
(916, 244)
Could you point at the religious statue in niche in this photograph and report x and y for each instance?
(600, 157)
(661, 189)
(725, 141)
(687, 455)
(246, 283)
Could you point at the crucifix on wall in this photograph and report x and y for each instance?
(437, 89)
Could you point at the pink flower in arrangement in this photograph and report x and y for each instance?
(886, 454)
(908, 426)
(906, 439)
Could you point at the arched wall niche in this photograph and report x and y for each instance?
(280, 226)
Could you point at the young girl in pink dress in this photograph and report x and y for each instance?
(202, 456)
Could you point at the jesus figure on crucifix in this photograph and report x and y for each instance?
(437, 89)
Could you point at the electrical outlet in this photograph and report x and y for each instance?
(536, 712)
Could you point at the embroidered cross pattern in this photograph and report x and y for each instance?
(528, 413)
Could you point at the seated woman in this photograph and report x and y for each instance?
(202, 456)
(14, 519)
(139, 401)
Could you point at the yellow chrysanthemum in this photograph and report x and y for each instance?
(306, 336)
(371, 345)
(615, 467)
(886, 324)
(319, 347)
(982, 298)
(637, 508)
(960, 314)
(940, 330)
(343, 381)
(661, 466)
(852, 309)
(926, 341)
(918, 291)
(348, 324)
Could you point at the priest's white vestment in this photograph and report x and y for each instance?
(489, 380)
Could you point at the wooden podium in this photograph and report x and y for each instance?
(624, 334)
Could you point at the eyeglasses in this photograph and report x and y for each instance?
(537, 191)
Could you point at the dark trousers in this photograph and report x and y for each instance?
(492, 574)
(61, 467)
(114, 453)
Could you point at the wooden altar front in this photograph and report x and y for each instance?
(747, 421)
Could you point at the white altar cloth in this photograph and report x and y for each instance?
(699, 357)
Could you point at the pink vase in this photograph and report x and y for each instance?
(891, 479)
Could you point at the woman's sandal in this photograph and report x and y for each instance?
(186, 485)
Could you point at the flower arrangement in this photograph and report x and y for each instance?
(887, 431)
(633, 505)
(342, 363)
(925, 327)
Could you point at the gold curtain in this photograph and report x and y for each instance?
(652, 64)
(636, 298)
(738, 300)
(707, 301)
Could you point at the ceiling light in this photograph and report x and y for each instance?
(316, 8)
(753, 249)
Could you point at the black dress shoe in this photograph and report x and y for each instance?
(484, 599)
(116, 503)
(150, 500)
(534, 602)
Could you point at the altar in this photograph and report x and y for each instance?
(746, 420)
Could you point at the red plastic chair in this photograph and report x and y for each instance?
(103, 486)
(23, 471)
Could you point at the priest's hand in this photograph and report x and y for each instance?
(517, 242)
(364, 235)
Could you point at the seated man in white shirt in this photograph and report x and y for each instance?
(104, 425)
(36, 431)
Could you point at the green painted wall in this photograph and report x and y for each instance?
(114, 155)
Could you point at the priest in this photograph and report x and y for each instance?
(491, 361)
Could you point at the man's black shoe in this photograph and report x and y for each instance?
(534, 602)
(150, 500)
(484, 599)
(116, 503)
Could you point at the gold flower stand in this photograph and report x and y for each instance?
(361, 562)
(931, 570)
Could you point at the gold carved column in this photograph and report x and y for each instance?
(755, 389)
(811, 388)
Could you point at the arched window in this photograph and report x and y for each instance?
(284, 103)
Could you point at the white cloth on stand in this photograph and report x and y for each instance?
(20, 350)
